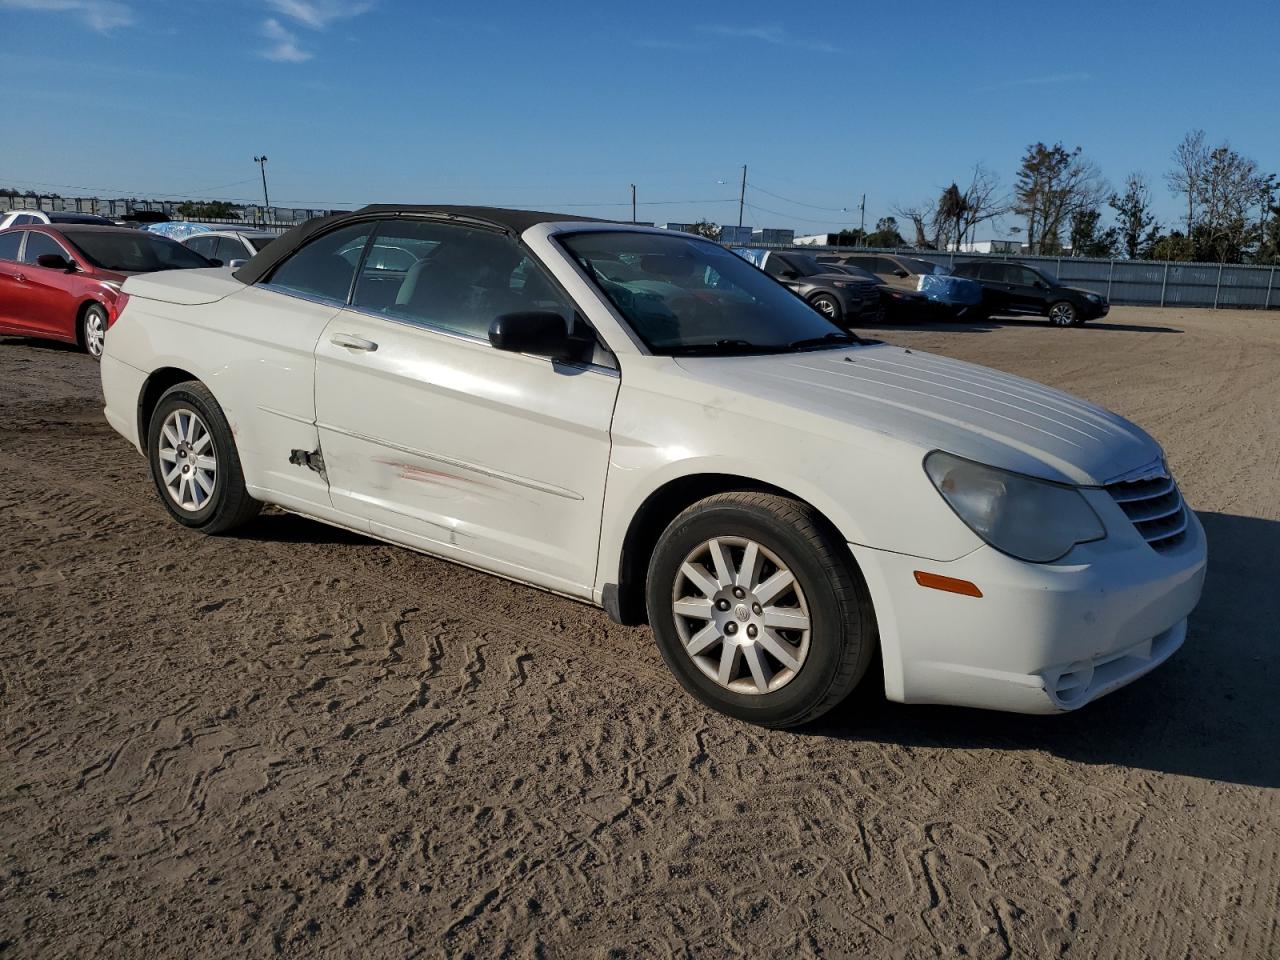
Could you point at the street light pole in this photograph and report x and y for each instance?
(633, 203)
(266, 202)
(742, 197)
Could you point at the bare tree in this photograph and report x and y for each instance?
(983, 200)
(1190, 158)
(921, 218)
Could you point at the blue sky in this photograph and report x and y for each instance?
(564, 104)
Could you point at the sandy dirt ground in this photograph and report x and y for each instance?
(299, 742)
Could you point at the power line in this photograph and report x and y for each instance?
(790, 216)
(798, 203)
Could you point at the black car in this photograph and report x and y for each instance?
(1017, 288)
(845, 300)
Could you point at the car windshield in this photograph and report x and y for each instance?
(135, 252)
(686, 297)
(806, 265)
(259, 242)
(856, 272)
(924, 266)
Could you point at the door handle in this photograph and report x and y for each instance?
(352, 342)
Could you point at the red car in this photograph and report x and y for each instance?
(63, 282)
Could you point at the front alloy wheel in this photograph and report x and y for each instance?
(1062, 314)
(758, 608)
(741, 615)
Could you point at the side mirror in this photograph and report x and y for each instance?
(1040, 285)
(55, 261)
(237, 264)
(539, 332)
(902, 274)
(788, 274)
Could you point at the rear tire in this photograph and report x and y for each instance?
(93, 330)
(1063, 313)
(774, 655)
(194, 463)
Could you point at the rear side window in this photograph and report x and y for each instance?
(230, 248)
(325, 267)
(38, 244)
(10, 242)
(451, 277)
(201, 245)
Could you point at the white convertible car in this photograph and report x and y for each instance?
(642, 420)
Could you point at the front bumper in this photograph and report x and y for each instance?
(1043, 638)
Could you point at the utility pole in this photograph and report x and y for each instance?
(633, 203)
(742, 197)
(862, 225)
(266, 202)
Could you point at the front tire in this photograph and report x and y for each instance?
(1063, 314)
(758, 609)
(93, 330)
(829, 307)
(194, 463)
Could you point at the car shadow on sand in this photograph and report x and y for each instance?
(276, 526)
(991, 324)
(1212, 711)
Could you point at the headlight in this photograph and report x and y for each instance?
(1033, 520)
(1093, 297)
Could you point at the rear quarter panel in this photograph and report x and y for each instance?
(254, 350)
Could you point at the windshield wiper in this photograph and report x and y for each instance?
(826, 340)
(723, 347)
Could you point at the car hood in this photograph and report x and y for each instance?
(1083, 292)
(943, 404)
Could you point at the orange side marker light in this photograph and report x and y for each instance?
(937, 581)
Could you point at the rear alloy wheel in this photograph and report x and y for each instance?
(758, 609)
(194, 463)
(1062, 314)
(93, 330)
(829, 307)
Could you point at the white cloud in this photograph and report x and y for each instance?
(284, 44)
(100, 15)
(318, 14)
(771, 34)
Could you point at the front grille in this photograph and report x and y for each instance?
(1155, 506)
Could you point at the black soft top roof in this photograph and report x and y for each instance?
(514, 222)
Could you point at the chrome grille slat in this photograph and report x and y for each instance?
(1141, 490)
(1176, 532)
(1155, 508)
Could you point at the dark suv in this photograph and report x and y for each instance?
(1017, 288)
(841, 298)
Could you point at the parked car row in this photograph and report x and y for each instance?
(643, 420)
